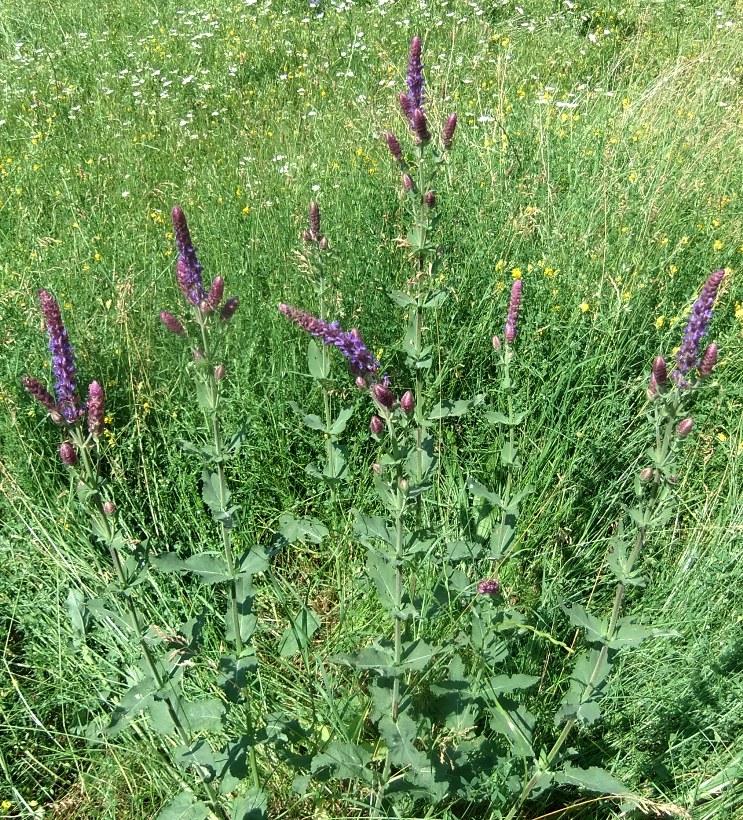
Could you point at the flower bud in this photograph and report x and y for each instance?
(383, 395)
(216, 292)
(648, 474)
(219, 372)
(490, 586)
(307, 236)
(430, 199)
(229, 308)
(497, 343)
(173, 325)
(407, 182)
(377, 468)
(360, 382)
(419, 126)
(394, 145)
(323, 244)
(653, 392)
(205, 307)
(407, 402)
(660, 372)
(109, 508)
(95, 409)
(198, 356)
(404, 486)
(376, 425)
(673, 479)
(685, 427)
(68, 454)
(447, 132)
(708, 361)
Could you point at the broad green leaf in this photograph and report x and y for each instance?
(206, 451)
(504, 684)
(345, 761)
(421, 460)
(311, 420)
(451, 409)
(416, 655)
(339, 425)
(235, 674)
(376, 657)
(168, 562)
(205, 715)
(336, 462)
(300, 529)
(480, 491)
(134, 701)
(184, 807)
(212, 569)
(215, 495)
(631, 634)
(250, 806)
(253, 560)
(595, 629)
(318, 361)
(199, 756)
(299, 633)
(592, 666)
(515, 723)
(502, 537)
(401, 299)
(436, 299)
(369, 527)
(247, 621)
(463, 551)
(78, 614)
(205, 397)
(592, 779)
(399, 736)
(161, 711)
(384, 577)
(508, 454)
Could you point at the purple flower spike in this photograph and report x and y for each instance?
(407, 107)
(490, 586)
(67, 454)
(188, 272)
(513, 312)
(447, 132)
(687, 357)
(360, 360)
(63, 359)
(415, 74)
(95, 409)
(315, 221)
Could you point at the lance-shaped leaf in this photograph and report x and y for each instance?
(211, 569)
(298, 634)
(384, 577)
(502, 537)
(336, 462)
(391, 499)
(253, 560)
(339, 425)
(377, 658)
(630, 634)
(401, 299)
(421, 460)
(505, 684)
(216, 496)
(480, 491)
(515, 723)
(496, 418)
(235, 674)
(318, 361)
(246, 620)
(344, 761)
(134, 701)
(454, 705)
(455, 551)
(618, 562)
(416, 655)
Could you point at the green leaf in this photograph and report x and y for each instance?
(502, 537)
(161, 711)
(399, 736)
(246, 621)
(462, 551)
(199, 756)
(494, 417)
(631, 634)
(336, 462)
(212, 569)
(515, 723)
(297, 636)
(369, 527)
(451, 409)
(168, 562)
(317, 363)
(339, 425)
(206, 451)
(575, 704)
(416, 655)
(250, 806)
(508, 454)
(384, 577)
(134, 701)
(301, 529)
(401, 299)
(376, 657)
(253, 560)
(215, 495)
(436, 299)
(235, 674)
(592, 779)
(389, 497)
(345, 761)
(479, 491)
(184, 807)
(421, 460)
(78, 614)
(504, 684)
(205, 396)
(595, 629)
(205, 715)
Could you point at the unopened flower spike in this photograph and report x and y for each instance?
(513, 312)
(447, 132)
(360, 361)
(95, 409)
(188, 271)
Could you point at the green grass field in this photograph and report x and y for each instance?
(598, 157)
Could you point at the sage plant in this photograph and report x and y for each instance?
(418, 174)
(82, 424)
(670, 396)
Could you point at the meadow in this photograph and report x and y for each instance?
(597, 160)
